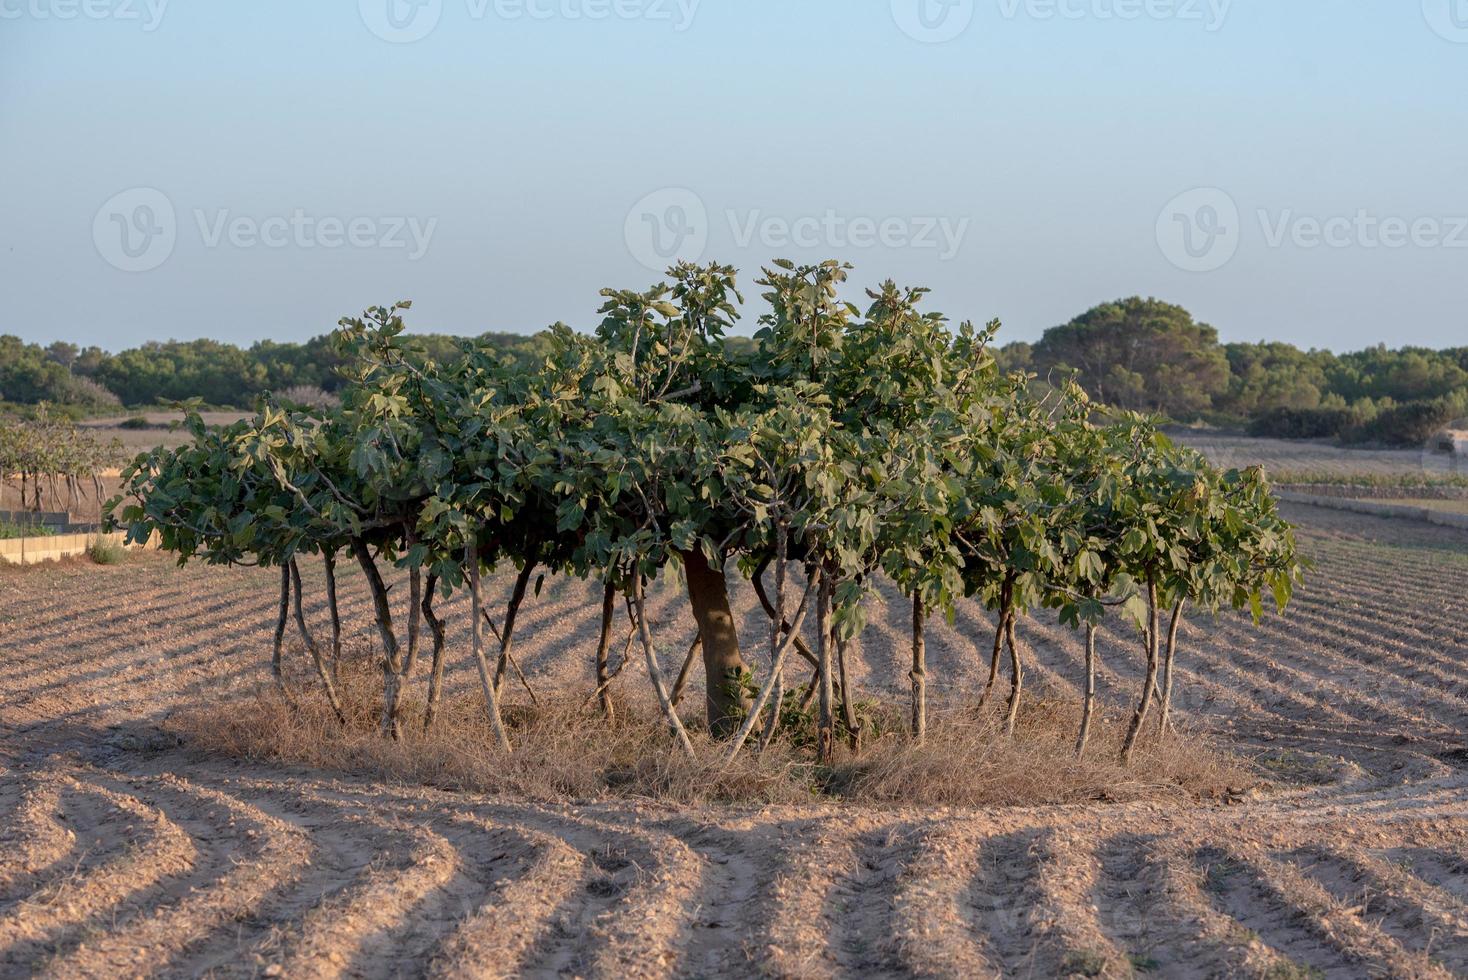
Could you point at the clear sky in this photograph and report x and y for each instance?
(1286, 169)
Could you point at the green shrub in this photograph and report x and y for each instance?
(104, 551)
(1406, 425)
(136, 422)
(1304, 423)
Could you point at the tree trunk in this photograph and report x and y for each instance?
(435, 670)
(801, 647)
(777, 628)
(329, 563)
(724, 668)
(476, 641)
(1017, 680)
(826, 724)
(392, 661)
(508, 636)
(311, 645)
(919, 672)
(675, 724)
(1005, 598)
(603, 647)
(683, 673)
(1164, 721)
(1088, 712)
(280, 621)
(772, 683)
(415, 599)
(1149, 685)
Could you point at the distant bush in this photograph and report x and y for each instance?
(1304, 423)
(1412, 424)
(136, 422)
(90, 394)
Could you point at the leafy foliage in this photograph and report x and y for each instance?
(853, 443)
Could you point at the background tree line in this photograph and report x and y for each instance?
(1137, 354)
(89, 380)
(1149, 356)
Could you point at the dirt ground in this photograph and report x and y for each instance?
(124, 854)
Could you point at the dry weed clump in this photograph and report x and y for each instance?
(565, 749)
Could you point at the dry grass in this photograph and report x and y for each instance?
(967, 761)
(564, 749)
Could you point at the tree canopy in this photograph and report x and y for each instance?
(847, 444)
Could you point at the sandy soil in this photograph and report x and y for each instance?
(123, 854)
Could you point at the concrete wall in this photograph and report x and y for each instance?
(32, 551)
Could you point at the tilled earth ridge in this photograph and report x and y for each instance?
(122, 856)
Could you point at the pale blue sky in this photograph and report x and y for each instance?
(1046, 139)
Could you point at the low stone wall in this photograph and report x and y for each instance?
(1443, 518)
(51, 547)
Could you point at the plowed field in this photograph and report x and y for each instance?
(123, 854)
